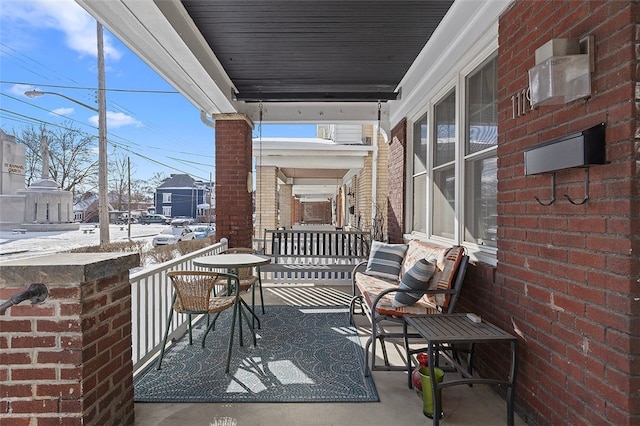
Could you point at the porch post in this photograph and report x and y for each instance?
(266, 199)
(286, 195)
(234, 203)
(68, 360)
(397, 176)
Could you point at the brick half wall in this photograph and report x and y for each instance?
(68, 360)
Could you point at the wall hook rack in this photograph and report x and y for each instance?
(553, 192)
(586, 190)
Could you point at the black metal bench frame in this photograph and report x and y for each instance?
(321, 254)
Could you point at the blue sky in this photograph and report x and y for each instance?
(50, 45)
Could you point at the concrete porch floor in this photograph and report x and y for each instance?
(463, 405)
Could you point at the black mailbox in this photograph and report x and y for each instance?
(576, 150)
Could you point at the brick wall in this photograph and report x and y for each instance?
(382, 183)
(397, 173)
(286, 198)
(266, 199)
(234, 204)
(567, 274)
(68, 360)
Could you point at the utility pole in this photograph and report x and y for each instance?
(129, 198)
(103, 190)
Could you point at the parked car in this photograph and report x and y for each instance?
(146, 219)
(172, 235)
(182, 221)
(203, 231)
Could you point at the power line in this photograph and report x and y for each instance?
(94, 128)
(170, 92)
(114, 144)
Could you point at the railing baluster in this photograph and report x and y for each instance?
(151, 299)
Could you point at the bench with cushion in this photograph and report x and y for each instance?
(404, 279)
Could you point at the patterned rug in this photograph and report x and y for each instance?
(304, 354)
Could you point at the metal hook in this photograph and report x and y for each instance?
(586, 190)
(553, 192)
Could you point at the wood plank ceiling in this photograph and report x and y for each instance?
(307, 51)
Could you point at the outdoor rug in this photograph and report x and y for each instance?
(303, 354)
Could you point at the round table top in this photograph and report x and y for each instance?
(231, 260)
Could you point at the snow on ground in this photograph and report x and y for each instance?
(15, 246)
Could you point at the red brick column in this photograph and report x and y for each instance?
(397, 173)
(234, 204)
(68, 360)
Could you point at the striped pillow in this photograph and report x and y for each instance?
(416, 278)
(385, 260)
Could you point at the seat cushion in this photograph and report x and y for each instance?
(385, 260)
(370, 287)
(417, 278)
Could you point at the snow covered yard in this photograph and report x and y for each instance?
(29, 244)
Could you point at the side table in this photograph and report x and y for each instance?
(442, 329)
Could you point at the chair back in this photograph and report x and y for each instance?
(457, 284)
(193, 289)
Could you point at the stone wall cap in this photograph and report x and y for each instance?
(66, 268)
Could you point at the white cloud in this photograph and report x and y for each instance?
(116, 120)
(19, 89)
(63, 15)
(62, 111)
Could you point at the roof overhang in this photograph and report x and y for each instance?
(314, 62)
(316, 164)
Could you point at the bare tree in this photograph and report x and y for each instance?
(118, 181)
(72, 155)
(149, 186)
(30, 138)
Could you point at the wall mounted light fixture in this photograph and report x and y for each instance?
(562, 72)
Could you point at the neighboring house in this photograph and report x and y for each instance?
(182, 195)
(85, 210)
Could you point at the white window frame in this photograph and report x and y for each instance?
(458, 83)
(166, 198)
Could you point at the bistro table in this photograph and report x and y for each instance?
(441, 329)
(232, 262)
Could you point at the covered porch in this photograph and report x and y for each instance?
(463, 405)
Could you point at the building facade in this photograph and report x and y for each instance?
(181, 195)
(559, 271)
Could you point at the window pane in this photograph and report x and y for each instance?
(419, 203)
(420, 146)
(481, 201)
(444, 202)
(482, 106)
(445, 130)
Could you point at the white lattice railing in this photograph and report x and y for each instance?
(151, 295)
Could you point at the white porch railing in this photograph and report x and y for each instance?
(151, 296)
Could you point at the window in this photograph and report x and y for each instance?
(420, 146)
(166, 198)
(444, 178)
(481, 165)
(454, 164)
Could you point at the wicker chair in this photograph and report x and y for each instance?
(194, 294)
(248, 279)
